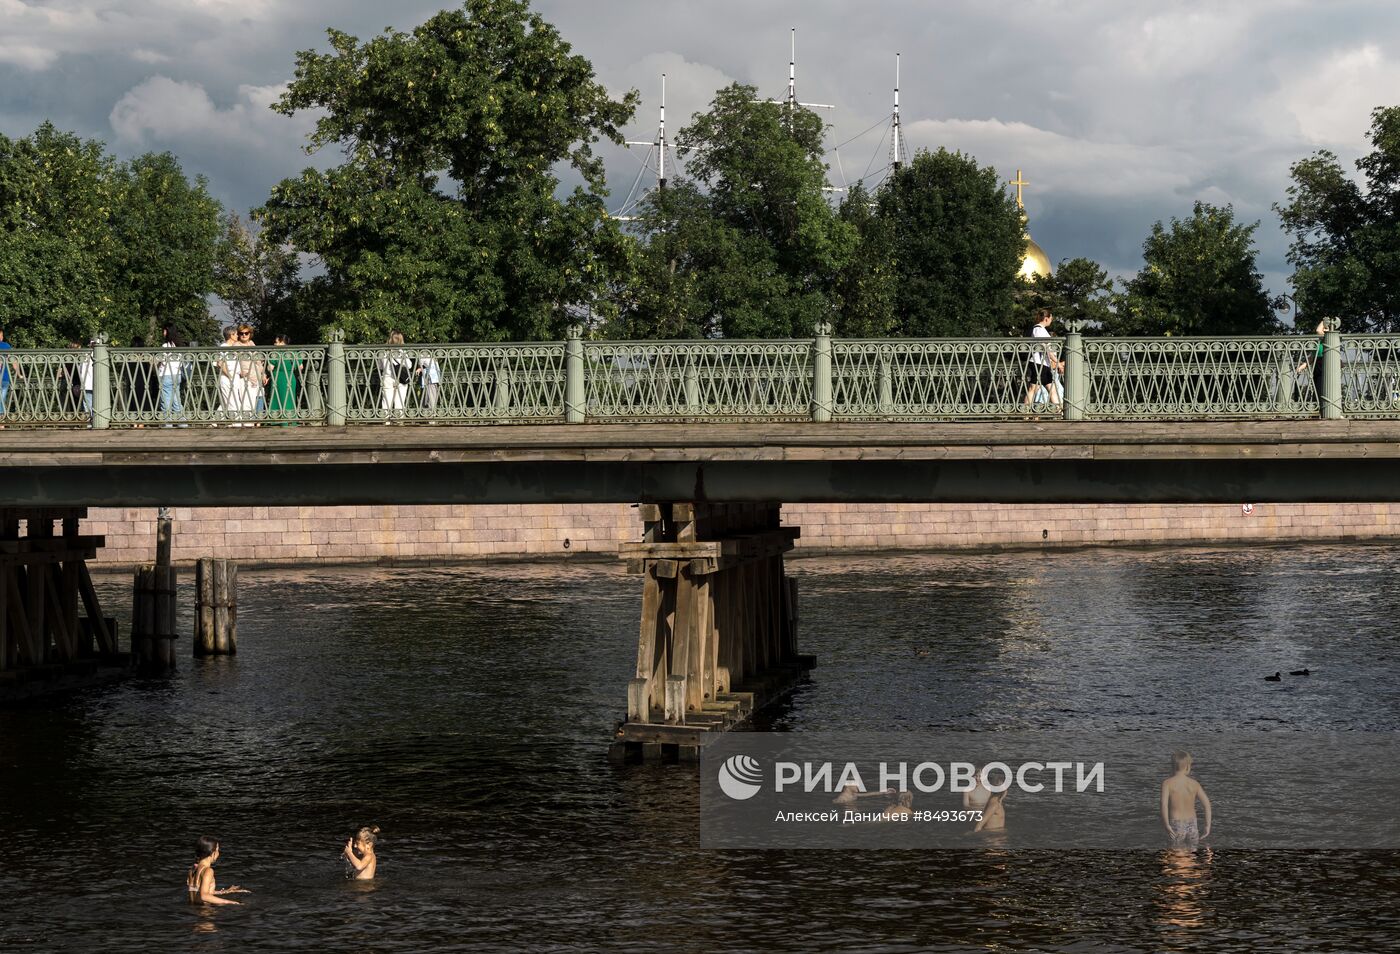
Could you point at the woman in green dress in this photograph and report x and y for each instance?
(282, 384)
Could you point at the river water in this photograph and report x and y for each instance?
(465, 712)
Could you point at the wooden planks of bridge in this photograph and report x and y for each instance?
(718, 635)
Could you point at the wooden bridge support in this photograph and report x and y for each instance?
(44, 581)
(718, 635)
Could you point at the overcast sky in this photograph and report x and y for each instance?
(1119, 112)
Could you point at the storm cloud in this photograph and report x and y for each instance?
(1119, 114)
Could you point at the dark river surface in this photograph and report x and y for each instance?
(465, 711)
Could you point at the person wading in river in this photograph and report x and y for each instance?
(359, 853)
(199, 880)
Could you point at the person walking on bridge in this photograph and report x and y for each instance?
(6, 364)
(395, 374)
(1040, 370)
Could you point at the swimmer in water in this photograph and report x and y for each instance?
(994, 814)
(1180, 793)
(359, 852)
(901, 810)
(849, 794)
(975, 798)
(199, 880)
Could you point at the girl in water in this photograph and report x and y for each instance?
(199, 881)
(359, 852)
(994, 814)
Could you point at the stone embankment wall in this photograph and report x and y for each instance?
(403, 534)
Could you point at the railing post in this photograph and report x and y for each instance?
(575, 391)
(821, 373)
(1284, 374)
(101, 384)
(1331, 397)
(1076, 382)
(337, 403)
(502, 401)
(691, 385)
(885, 385)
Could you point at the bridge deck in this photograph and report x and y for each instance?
(1042, 461)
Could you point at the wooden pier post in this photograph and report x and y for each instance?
(216, 608)
(153, 605)
(718, 633)
(44, 580)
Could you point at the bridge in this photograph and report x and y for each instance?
(709, 438)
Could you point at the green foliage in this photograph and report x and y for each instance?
(864, 293)
(748, 246)
(957, 241)
(442, 221)
(258, 280)
(1199, 278)
(1346, 241)
(165, 230)
(1079, 291)
(89, 245)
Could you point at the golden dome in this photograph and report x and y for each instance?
(1035, 261)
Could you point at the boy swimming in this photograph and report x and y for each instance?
(1179, 795)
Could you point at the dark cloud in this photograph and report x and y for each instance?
(1119, 114)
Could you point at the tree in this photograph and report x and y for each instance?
(56, 194)
(864, 293)
(746, 246)
(165, 232)
(1345, 246)
(1199, 278)
(443, 220)
(258, 281)
(88, 245)
(1079, 291)
(957, 241)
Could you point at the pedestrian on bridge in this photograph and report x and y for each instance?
(6, 364)
(395, 376)
(1040, 370)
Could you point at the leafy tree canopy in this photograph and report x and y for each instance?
(1079, 291)
(1199, 278)
(957, 240)
(1346, 235)
(443, 221)
(258, 281)
(90, 245)
(166, 231)
(864, 294)
(747, 246)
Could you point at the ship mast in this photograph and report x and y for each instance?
(656, 149)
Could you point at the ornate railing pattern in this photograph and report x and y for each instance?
(45, 387)
(1371, 376)
(1183, 378)
(662, 380)
(470, 382)
(945, 379)
(237, 387)
(820, 379)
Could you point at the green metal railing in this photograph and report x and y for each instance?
(1183, 378)
(464, 383)
(818, 379)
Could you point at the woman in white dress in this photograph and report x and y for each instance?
(395, 374)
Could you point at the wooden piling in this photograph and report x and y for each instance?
(216, 608)
(153, 618)
(718, 629)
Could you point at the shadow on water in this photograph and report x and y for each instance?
(465, 711)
